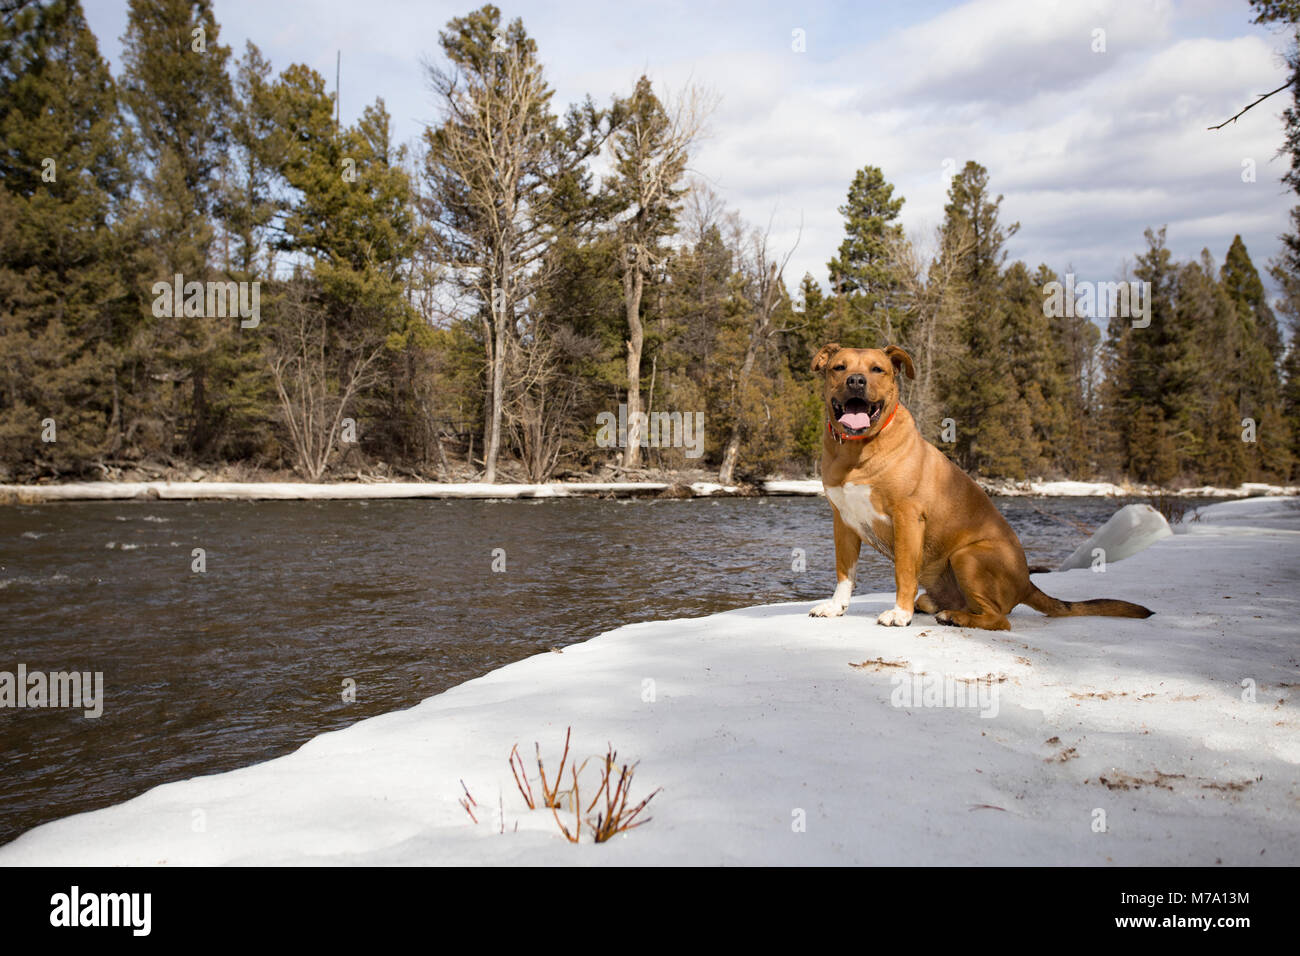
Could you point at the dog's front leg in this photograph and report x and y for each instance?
(909, 535)
(847, 547)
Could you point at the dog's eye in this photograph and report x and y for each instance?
(839, 368)
(877, 369)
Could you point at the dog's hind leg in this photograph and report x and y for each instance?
(941, 593)
(988, 596)
(986, 620)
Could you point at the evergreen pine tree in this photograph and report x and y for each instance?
(976, 387)
(63, 178)
(1286, 268)
(246, 203)
(1244, 287)
(175, 85)
(1074, 345)
(1033, 360)
(353, 220)
(862, 274)
(1259, 348)
(1150, 376)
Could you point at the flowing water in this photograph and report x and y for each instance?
(246, 660)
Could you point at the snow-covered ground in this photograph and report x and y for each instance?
(1105, 489)
(1063, 489)
(783, 739)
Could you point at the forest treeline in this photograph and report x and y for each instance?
(199, 265)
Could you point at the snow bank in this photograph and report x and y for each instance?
(1131, 529)
(1106, 489)
(756, 720)
(802, 486)
(1075, 489)
(320, 491)
(1272, 513)
(308, 491)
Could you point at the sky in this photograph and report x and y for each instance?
(1090, 116)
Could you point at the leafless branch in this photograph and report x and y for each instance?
(1262, 98)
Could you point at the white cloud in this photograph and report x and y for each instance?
(1001, 50)
(1088, 148)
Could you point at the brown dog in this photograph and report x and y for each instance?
(890, 487)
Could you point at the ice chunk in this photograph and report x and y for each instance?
(1129, 530)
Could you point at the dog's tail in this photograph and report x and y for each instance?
(1105, 607)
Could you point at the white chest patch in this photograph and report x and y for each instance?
(853, 502)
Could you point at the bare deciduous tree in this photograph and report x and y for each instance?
(505, 178)
(315, 378)
(543, 397)
(488, 167)
(932, 293)
(766, 284)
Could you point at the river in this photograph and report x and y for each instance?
(249, 658)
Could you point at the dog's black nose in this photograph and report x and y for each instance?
(857, 382)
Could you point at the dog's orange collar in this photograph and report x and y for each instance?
(830, 427)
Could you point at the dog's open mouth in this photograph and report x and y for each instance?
(856, 415)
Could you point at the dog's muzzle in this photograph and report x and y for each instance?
(856, 414)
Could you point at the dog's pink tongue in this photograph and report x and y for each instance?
(855, 420)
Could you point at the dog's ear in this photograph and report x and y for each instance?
(902, 360)
(823, 357)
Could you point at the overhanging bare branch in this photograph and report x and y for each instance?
(1262, 98)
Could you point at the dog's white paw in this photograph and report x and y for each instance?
(831, 608)
(895, 617)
